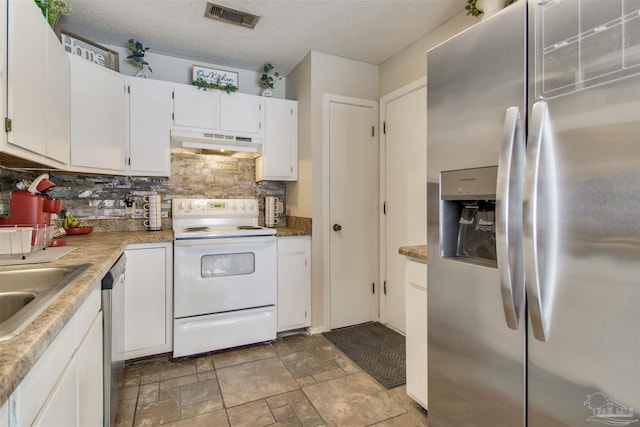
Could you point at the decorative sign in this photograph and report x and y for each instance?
(89, 50)
(211, 75)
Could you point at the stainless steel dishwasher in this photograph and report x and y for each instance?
(113, 337)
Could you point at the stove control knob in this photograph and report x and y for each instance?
(242, 206)
(190, 205)
(181, 206)
(233, 206)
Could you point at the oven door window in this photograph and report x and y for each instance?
(228, 264)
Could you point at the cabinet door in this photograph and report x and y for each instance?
(61, 409)
(148, 301)
(90, 376)
(4, 414)
(241, 113)
(416, 330)
(27, 87)
(293, 283)
(279, 159)
(97, 117)
(150, 108)
(57, 77)
(196, 108)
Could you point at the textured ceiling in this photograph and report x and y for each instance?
(365, 30)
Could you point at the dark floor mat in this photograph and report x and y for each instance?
(380, 351)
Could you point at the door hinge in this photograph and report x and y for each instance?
(173, 95)
(384, 287)
(173, 116)
(128, 89)
(305, 262)
(7, 124)
(373, 288)
(384, 208)
(292, 111)
(305, 314)
(373, 131)
(384, 128)
(259, 107)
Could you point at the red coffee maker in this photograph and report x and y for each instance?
(32, 206)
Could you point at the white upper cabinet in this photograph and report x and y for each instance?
(58, 123)
(98, 135)
(37, 88)
(26, 71)
(196, 108)
(150, 109)
(279, 160)
(241, 113)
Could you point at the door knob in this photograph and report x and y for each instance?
(337, 227)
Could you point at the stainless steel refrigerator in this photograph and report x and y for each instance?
(533, 194)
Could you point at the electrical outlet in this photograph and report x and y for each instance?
(129, 211)
(129, 206)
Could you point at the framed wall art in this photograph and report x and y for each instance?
(89, 50)
(211, 75)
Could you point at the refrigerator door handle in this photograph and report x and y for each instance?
(540, 220)
(509, 217)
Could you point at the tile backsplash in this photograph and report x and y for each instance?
(99, 197)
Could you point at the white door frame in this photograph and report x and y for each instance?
(326, 197)
(398, 93)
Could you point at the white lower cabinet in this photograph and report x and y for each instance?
(294, 282)
(148, 308)
(90, 367)
(4, 414)
(64, 388)
(416, 329)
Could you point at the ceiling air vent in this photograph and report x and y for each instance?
(232, 16)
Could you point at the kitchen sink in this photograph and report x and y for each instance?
(27, 292)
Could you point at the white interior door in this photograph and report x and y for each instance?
(353, 211)
(405, 222)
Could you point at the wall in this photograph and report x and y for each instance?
(316, 75)
(178, 70)
(91, 197)
(300, 192)
(410, 64)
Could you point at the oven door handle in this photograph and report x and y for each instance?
(225, 241)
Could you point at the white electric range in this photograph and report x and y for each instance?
(225, 275)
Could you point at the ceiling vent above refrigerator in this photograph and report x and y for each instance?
(232, 16)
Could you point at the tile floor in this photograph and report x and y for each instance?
(298, 380)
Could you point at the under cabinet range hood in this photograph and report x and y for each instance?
(218, 142)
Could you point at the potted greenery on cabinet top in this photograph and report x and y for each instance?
(137, 56)
(52, 9)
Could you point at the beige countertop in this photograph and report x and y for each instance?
(290, 232)
(418, 252)
(20, 353)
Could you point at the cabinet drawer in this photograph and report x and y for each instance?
(292, 244)
(416, 273)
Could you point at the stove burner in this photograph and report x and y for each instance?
(249, 227)
(196, 229)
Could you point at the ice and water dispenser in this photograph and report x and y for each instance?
(467, 215)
